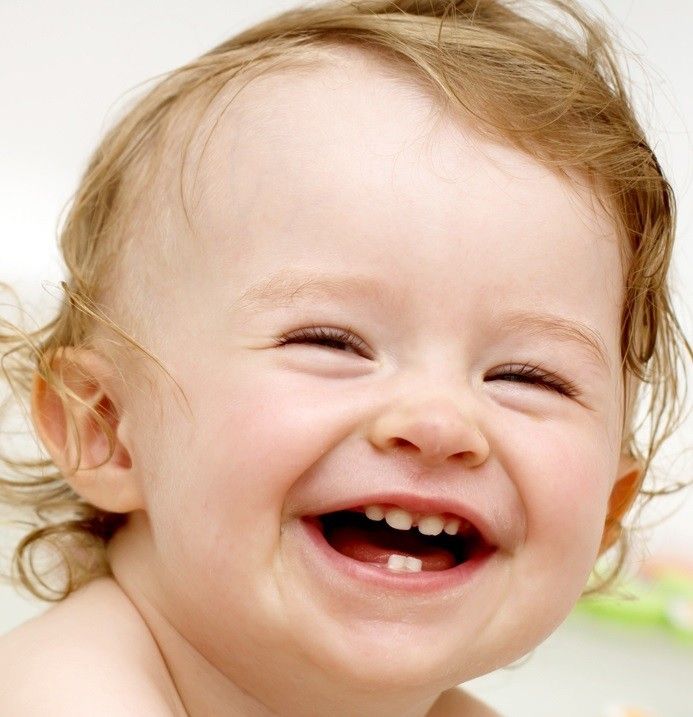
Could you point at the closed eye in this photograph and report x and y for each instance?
(536, 376)
(327, 336)
(345, 340)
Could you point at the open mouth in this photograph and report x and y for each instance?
(353, 534)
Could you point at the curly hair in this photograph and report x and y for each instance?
(544, 79)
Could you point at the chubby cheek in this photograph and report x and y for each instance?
(229, 469)
(565, 485)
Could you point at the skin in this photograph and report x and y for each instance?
(346, 169)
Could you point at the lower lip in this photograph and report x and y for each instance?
(425, 581)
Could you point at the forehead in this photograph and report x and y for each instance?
(350, 163)
(308, 118)
(352, 135)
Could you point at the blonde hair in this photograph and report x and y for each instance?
(547, 83)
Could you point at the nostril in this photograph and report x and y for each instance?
(432, 434)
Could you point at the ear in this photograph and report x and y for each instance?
(112, 486)
(623, 494)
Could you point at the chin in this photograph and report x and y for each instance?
(395, 658)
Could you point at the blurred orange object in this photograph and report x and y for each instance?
(623, 711)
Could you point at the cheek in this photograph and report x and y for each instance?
(259, 437)
(565, 485)
(563, 478)
(230, 465)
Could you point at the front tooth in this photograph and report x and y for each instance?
(397, 562)
(431, 525)
(375, 512)
(452, 525)
(398, 519)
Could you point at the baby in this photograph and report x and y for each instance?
(339, 409)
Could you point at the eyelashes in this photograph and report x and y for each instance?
(535, 375)
(338, 338)
(329, 336)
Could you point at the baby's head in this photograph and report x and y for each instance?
(377, 254)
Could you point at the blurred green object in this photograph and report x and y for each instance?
(661, 595)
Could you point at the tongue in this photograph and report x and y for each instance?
(376, 546)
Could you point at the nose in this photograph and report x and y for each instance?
(435, 428)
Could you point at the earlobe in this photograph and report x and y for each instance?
(623, 495)
(106, 481)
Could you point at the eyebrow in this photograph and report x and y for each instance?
(286, 287)
(562, 329)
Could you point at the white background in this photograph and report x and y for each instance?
(67, 67)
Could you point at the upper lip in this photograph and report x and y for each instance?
(487, 527)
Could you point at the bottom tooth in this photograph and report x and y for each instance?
(397, 562)
(404, 563)
(413, 564)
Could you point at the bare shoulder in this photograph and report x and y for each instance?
(90, 654)
(458, 703)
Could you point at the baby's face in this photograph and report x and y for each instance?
(357, 206)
